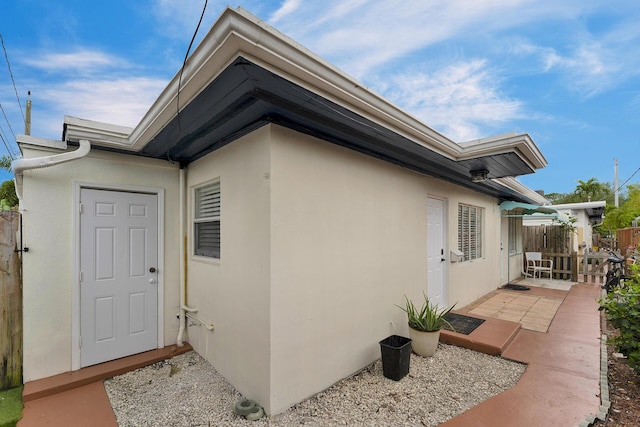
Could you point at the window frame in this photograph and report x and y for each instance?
(206, 220)
(514, 228)
(470, 231)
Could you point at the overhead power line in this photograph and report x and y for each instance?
(6, 147)
(629, 179)
(2, 132)
(6, 57)
(7, 120)
(184, 64)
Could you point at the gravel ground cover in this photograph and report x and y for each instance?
(187, 391)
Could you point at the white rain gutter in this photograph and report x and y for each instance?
(18, 166)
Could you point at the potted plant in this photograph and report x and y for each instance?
(425, 324)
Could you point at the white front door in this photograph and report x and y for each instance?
(118, 270)
(435, 251)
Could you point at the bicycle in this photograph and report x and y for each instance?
(616, 273)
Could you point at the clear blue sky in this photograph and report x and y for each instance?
(567, 72)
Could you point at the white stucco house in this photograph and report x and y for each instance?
(273, 223)
(586, 215)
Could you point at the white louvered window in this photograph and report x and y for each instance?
(206, 222)
(515, 235)
(470, 231)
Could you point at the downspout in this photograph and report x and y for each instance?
(184, 308)
(18, 166)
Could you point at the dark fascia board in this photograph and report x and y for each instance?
(224, 96)
(246, 96)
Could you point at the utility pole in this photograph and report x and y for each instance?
(615, 182)
(27, 118)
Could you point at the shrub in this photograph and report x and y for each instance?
(622, 307)
(8, 193)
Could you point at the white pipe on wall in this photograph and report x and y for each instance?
(181, 316)
(184, 309)
(18, 166)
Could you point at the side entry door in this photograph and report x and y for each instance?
(118, 274)
(436, 259)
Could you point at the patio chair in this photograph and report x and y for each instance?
(536, 265)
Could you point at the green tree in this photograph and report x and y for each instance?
(622, 217)
(590, 190)
(7, 188)
(555, 198)
(8, 193)
(586, 189)
(5, 163)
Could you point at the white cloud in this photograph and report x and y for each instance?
(587, 61)
(361, 35)
(79, 61)
(121, 101)
(89, 84)
(288, 7)
(458, 100)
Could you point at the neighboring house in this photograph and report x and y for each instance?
(586, 216)
(285, 212)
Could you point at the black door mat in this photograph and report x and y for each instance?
(462, 324)
(516, 287)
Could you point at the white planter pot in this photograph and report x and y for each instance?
(424, 343)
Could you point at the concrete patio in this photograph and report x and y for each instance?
(560, 387)
(534, 309)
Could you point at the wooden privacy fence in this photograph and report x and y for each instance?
(555, 242)
(627, 237)
(565, 266)
(547, 238)
(10, 303)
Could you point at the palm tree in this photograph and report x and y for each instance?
(5, 163)
(7, 188)
(588, 189)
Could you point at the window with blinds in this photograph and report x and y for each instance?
(515, 231)
(206, 222)
(470, 231)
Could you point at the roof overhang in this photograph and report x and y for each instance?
(245, 74)
(518, 210)
(594, 210)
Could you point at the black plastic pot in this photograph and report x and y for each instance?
(396, 354)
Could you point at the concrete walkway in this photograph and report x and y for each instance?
(561, 385)
(79, 399)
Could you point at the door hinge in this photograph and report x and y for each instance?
(80, 209)
(81, 276)
(80, 342)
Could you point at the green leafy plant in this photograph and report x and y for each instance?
(622, 307)
(429, 318)
(5, 163)
(8, 193)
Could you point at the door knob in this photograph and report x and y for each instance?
(152, 281)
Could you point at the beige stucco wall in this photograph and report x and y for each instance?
(472, 279)
(348, 240)
(48, 267)
(318, 245)
(234, 292)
